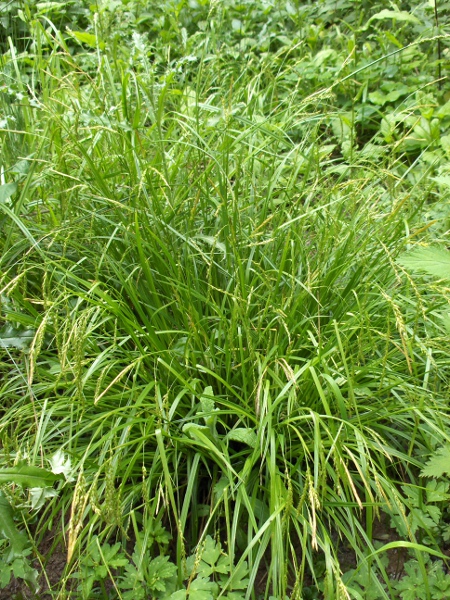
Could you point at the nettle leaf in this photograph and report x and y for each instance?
(439, 463)
(432, 260)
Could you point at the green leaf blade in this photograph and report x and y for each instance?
(432, 261)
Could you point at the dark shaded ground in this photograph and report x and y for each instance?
(54, 560)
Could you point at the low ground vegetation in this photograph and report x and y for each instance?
(224, 318)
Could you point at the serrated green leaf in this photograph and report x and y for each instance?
(244, 435)
(235, 596)
(135, 594)
(26, 476)
(201, 589)
(211, 551)
(439, 463)
(437, 491)
(133, 580)
(424, 519)
(160, 569)
(112, 555)
(159, 534)
(431, 260)
(239, 578)
(12, 337)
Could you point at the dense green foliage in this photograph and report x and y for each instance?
(214, 329)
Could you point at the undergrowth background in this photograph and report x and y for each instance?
(205, 330)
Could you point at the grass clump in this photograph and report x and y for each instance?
(205, 327)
